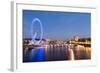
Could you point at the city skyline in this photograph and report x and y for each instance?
(58, 25)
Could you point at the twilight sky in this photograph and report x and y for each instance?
(57, 25)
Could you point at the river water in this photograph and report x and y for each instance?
(58, 53)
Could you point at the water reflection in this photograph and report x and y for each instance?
(40, 54)
(56, 53)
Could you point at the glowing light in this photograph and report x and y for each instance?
(40, 54)
(35, 34)
(72, 54)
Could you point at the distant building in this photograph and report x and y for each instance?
(76, 38)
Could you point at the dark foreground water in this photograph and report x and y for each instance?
(40, 54)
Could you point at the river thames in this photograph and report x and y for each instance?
(57, 53)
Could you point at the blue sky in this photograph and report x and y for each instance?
(58, 25)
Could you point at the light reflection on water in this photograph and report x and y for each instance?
(40, 54)
(56, 54)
